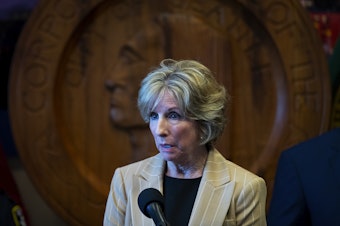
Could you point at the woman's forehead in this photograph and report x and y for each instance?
(166, 98)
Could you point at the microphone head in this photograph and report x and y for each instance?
(148, 196)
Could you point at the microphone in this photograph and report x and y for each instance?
(151, 203)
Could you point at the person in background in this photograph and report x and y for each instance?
(307, 183)
(185, 107)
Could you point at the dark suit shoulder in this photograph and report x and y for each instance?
(329, 140)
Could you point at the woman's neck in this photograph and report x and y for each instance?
(188, 170)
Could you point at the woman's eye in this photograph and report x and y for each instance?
(153, 116)
(174, 115)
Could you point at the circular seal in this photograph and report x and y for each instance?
(76, 73)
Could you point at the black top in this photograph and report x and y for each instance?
(179, 198)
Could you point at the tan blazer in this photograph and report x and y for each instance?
(227, 194)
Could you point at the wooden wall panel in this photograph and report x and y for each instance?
(70, 53)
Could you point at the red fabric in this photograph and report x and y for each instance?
(328, 26)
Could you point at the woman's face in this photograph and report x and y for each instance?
(177, 138)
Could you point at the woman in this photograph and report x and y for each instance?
(184, 106)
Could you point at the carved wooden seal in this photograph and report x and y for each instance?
(77, 69)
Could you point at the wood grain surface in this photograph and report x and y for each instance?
(70, 139)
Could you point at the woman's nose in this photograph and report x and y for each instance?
(161, 128)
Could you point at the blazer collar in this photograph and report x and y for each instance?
(152, 174)
(215, 171)
(215, 189)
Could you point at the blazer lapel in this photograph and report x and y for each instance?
(151, 176)
(214, 193)
(215, 190)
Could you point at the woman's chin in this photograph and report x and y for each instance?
(167, 156)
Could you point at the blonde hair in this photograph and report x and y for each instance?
(198, 94)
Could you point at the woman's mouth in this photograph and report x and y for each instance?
(165, 146)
